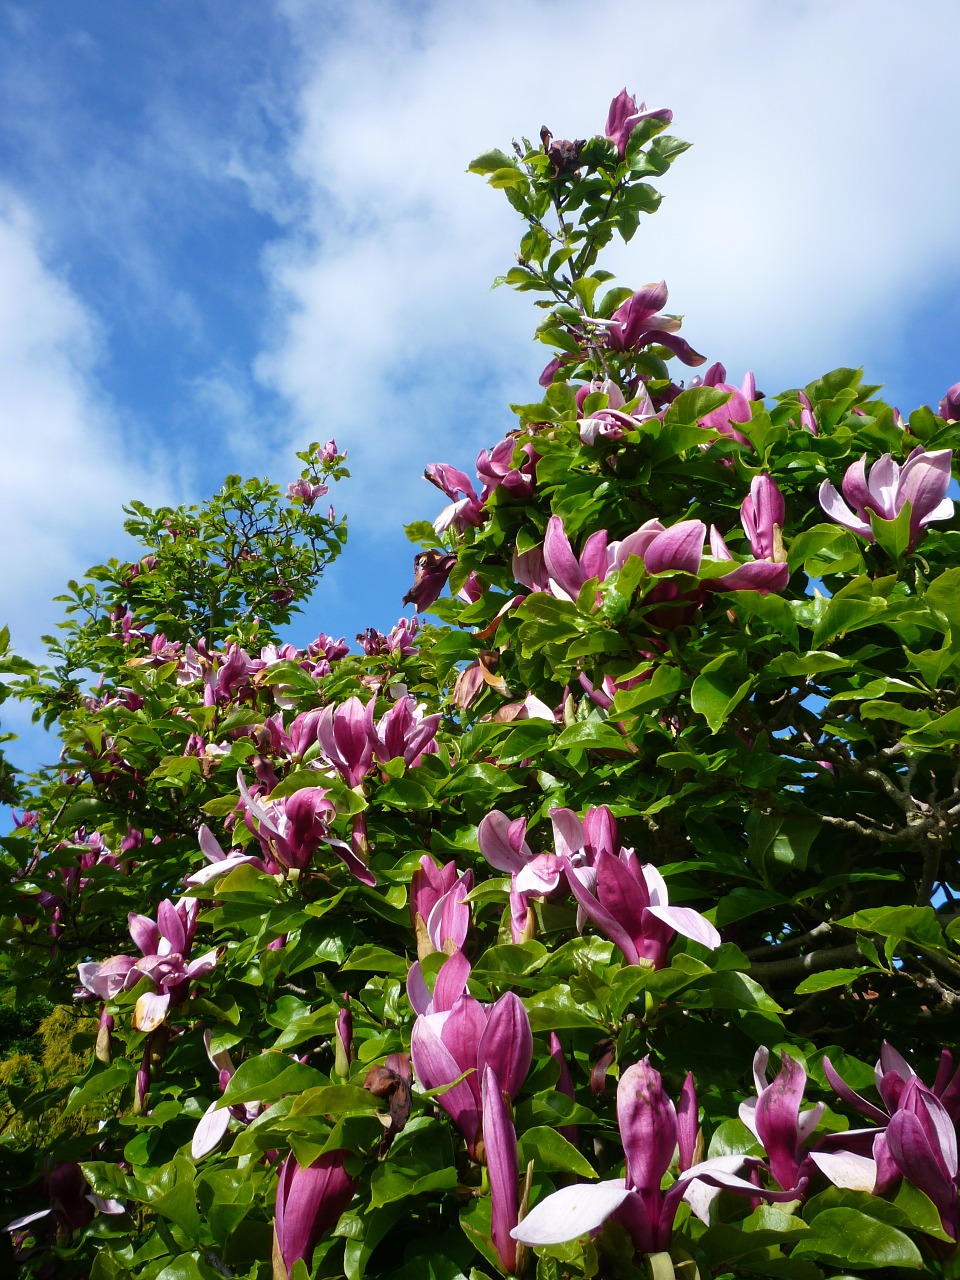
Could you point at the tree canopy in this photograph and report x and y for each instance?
(604, 925)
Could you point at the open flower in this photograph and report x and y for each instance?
(651, 1129)
(165, 945)
(630, 905)
(638, 322)
(922, 481)
(624, 115)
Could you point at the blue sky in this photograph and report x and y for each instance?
(229, 229)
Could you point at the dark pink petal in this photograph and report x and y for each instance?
(171, 926)
(762, 509)
(497, 836)
(920, 1163)
(777, 1118)
(144, 932)
(599, 915)
(688, 1123)
(755, 575)
(503, 1167)
(507, 1043)
(309, 1202)
(648, 1128)
(622, 892)
(593, 559)
(436, 1066)
(560, 562)
(679, 547)
(850, 1097)
(600, 830)
(451, 982)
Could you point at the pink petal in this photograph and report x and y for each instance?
(679, 547)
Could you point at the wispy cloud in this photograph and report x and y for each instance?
(815, 212)
(66, 470)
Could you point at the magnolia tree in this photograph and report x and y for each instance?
(605, 928)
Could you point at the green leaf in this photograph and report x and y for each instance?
(593, 733)
(269, 1076)
(552, 1153)
(116, 1076)
(377, 960)
(848, 1237)
(490, 161)
(719, 689)
(828, 979)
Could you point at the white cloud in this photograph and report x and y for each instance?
(64, 475)
(818, 205)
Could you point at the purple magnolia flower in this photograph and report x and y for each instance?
(431, 569)
(165, 945)
(461, 512)
(922, 1141)
(950, 404)
(922, 481)
(651, 1129)
(737, 408)
(503, 843)
(291, 829)
(344, 737)
(629, 903)
(503, 1167)
(612, 422)
(624, 115)
(566, 573)
(309, 1202)
(897, 1083)
(496, 469)
(470, 1037)
(775, 1119)
(762, 515)
(307, 493)
(637, 323)
(405, 731)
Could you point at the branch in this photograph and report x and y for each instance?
(797, 966)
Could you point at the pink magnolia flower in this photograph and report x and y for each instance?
(628, 901)
(624, 115)
(651, 1129)
(468, 1038)
(737, 408)
(165, 945)
(762, 515)
(292, 828)
(922, 481)
(462, 511)
(310, 1202)
(638, 322)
